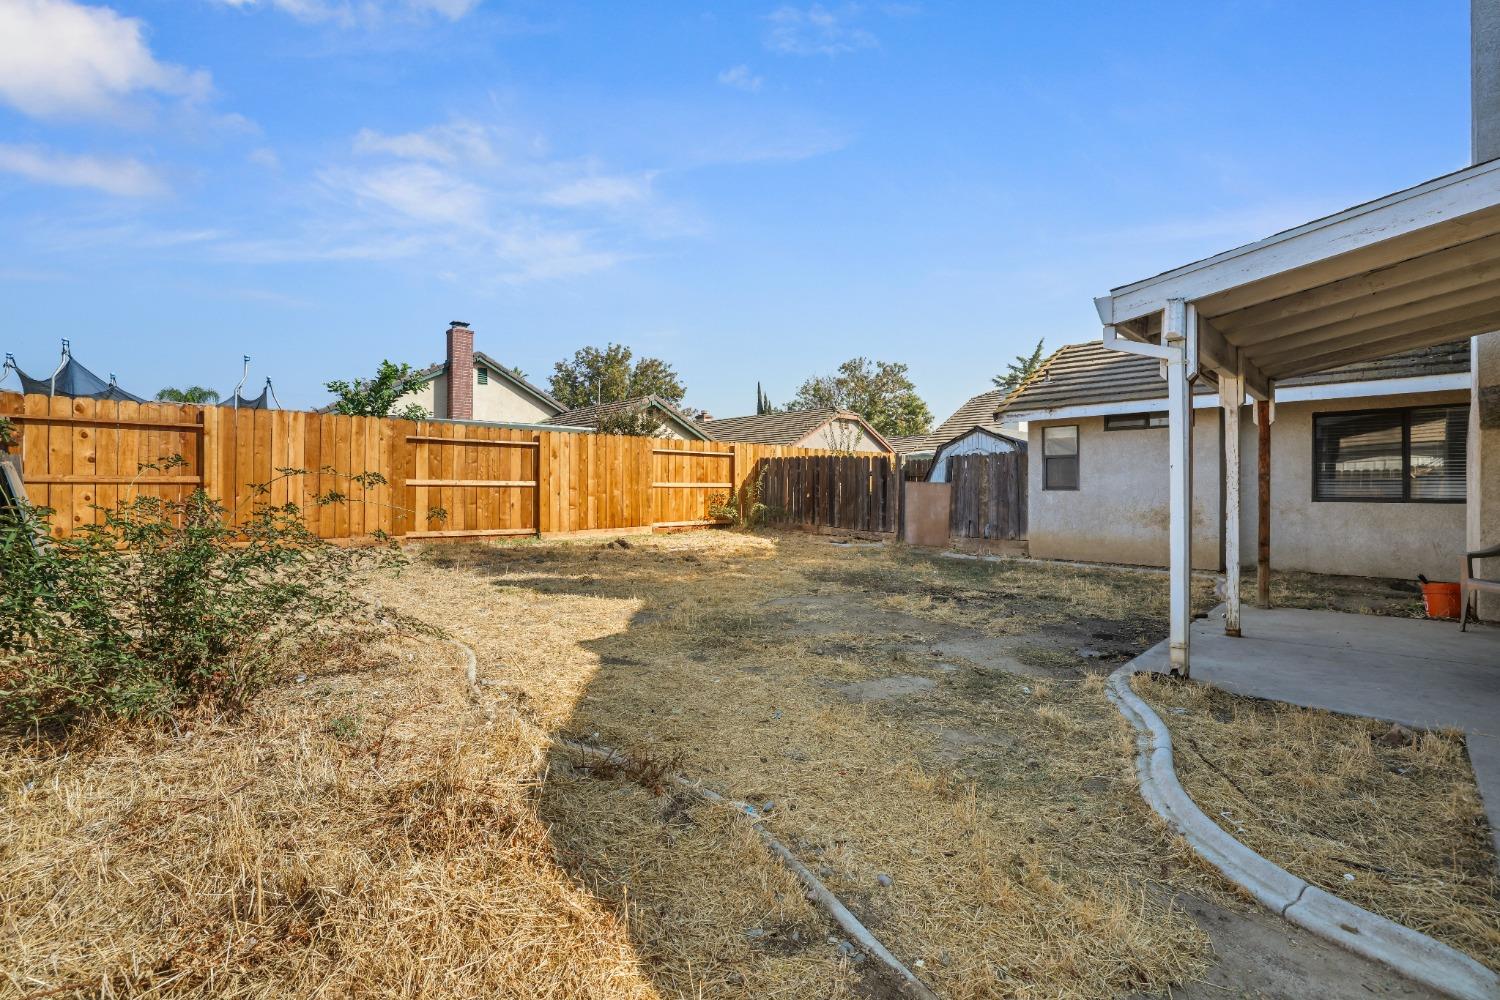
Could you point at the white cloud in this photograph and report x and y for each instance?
(455, 142)
(59, 58)
(817, 30)
(740, 78)
(416, 191)
(606, 192)
(125, 177)
(265, 156)
(361, 12)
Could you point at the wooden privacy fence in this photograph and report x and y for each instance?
(81, 454)
(850, 492)
(988, 499)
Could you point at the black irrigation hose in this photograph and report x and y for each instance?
(817, 892)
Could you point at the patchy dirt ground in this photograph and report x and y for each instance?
(930, 734)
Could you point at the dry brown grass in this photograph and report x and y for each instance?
(378, 830)
(1329, 797)
(1030, 871)
(364, 834)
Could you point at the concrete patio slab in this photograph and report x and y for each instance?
(1424, 674)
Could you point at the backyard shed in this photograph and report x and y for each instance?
(975, 441)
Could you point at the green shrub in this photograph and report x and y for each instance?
(164, 605)
(741, 508)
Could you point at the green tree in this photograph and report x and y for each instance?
(192, 394)
(763, 402)
(879, 391)
(378, 396)
(1019, 370)
(609, 376)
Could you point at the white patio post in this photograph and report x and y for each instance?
(1232, 398)
(1178, 332)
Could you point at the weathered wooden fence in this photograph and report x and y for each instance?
(849, 492)
(988, 496)
(78, 455)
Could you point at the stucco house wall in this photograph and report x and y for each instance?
(841, 435)
(494, 400)
(1119, 512)
(1348, 538)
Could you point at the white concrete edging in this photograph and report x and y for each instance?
(1414, 955)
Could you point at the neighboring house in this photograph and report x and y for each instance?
(1367, 464)
(977, 412)
(833, 430)
(671, 422)
(975, 441)
(485, 389)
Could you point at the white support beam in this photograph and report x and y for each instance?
(1232, 393)
(1178, 334)
(1230, 360)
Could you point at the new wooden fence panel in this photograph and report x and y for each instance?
(79, 454)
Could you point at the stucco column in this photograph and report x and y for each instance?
(1484, 462)
(1484, 411)
(1484, 78)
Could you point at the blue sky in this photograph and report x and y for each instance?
(753, 191)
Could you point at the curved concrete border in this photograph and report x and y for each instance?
(1414, 955)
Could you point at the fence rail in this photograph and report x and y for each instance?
(78, 455)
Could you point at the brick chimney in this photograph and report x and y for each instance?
(460, 371)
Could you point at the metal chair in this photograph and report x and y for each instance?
(1469, 584)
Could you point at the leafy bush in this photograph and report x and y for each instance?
(163, 605)
(741, 508)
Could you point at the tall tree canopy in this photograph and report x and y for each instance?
(192, 394)
(1019, 370)
(377, 397)
(879, 391)
(608, 376)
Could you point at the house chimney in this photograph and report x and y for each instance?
(1484, 77)
(460, 371)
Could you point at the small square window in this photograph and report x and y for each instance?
(1060, 457)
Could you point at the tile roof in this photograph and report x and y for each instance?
(1085, 374)
(592, 416)
(977, 412)
(786, 427)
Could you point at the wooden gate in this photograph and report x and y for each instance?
(483, 477)
(851, 492)
(989, 496)
(685, 478)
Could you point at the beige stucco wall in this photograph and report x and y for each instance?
(496, 400)
(1119, 512)
(1357, 539)
(841, 435)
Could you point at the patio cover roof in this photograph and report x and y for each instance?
(1412, 269)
